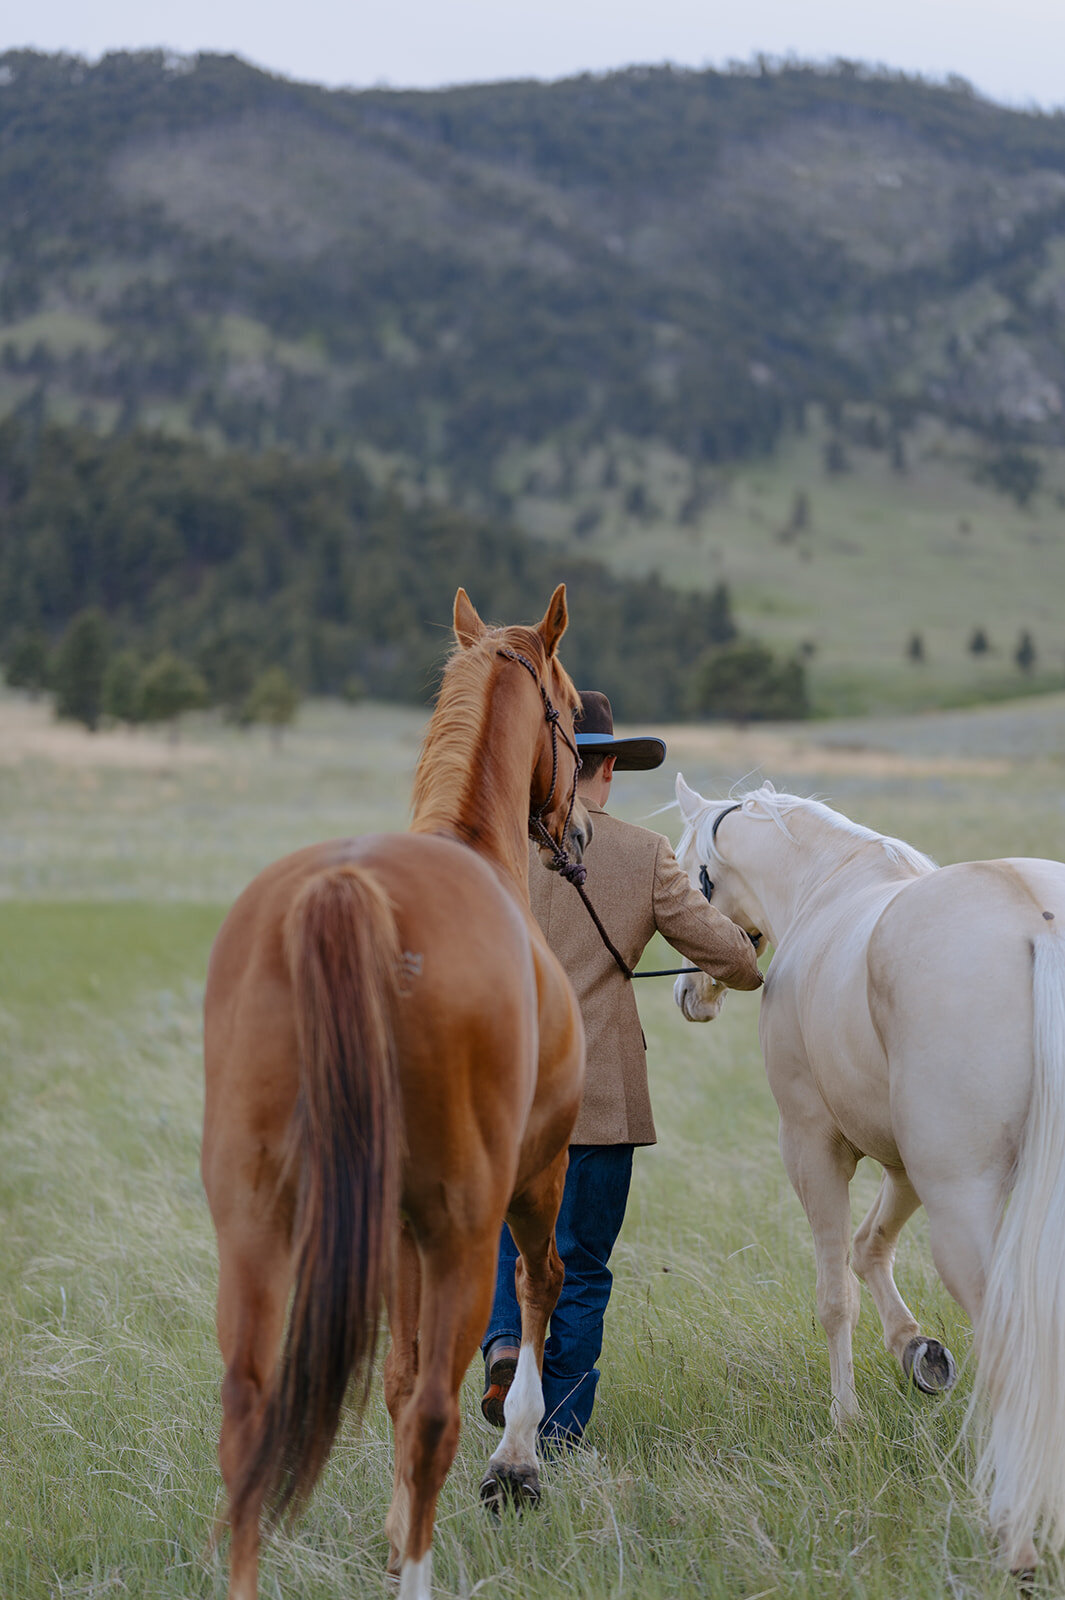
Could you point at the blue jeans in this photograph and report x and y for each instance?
(593, 1209)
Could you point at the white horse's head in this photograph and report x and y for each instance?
(699, 855)
(760, 877)
(699, 996)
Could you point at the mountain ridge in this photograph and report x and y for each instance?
(669, 254)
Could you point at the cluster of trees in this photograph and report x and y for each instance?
(94, 683)
(235, 564)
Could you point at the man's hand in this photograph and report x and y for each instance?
(699, 996)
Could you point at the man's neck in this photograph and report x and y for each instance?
(596, 791)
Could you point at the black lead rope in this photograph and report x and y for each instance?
(707, 887)
(676, 972)
(705, 884)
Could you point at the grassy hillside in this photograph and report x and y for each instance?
(842, 566)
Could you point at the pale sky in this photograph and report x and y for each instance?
(1010, 50)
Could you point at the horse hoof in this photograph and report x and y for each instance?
(504, 1485)
(929, 1366)
(1024, 1578)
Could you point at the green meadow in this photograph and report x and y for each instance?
(711, 1468)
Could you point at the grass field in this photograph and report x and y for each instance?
(712, 1469)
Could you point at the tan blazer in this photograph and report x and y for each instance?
(637, 887)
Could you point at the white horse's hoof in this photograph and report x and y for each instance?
(504, 1484)
(929, 1366)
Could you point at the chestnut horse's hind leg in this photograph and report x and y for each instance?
(513, 1473)
(400, 1372)
(253, 1284)
(457, 1277)
(926, 1362)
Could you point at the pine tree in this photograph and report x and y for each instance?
(80, 666)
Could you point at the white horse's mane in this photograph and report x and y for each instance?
(769, 805)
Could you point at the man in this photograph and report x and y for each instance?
(637, 888)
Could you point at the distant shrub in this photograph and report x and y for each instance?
(27, 663)
(744, 682)
(274, 699)
(587, 521)
(835, 457)
(1025, 654)
(979, 643)
(798, 518)
(169, 687)
(915, 647)
(227, 661)
(121, 688)
(1013, 472)
(80, 665)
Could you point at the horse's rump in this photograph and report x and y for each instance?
(950, 983)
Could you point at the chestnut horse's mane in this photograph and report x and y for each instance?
(455, 768)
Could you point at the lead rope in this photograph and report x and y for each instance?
(705, 884)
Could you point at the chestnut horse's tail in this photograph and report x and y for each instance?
(346, 1144)
(1020, 1332)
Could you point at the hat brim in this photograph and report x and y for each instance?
(631, 755)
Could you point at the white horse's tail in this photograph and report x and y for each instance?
(1019, 1338)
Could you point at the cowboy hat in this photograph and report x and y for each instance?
(595, 736)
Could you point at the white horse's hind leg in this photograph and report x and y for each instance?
(963, 1220)
(820, 1165)
(926, 1362)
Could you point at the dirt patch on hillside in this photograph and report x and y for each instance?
(29, 732)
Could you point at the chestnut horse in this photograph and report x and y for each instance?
(916, 1014)
(394, 1063)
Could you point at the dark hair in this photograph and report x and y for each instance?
(591, 764)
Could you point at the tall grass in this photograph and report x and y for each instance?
(711, 1468)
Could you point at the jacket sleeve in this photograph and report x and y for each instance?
(698, 930)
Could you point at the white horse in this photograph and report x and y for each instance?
(916, 1015)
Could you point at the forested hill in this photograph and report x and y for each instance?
(236, 563)
(679, 256)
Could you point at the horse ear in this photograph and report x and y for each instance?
(690, 803)
(554, 621)
(468, 625)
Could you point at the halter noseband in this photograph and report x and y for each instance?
(574, 871)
